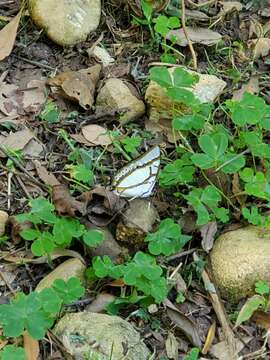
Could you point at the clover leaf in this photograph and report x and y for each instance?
(164, 24)
(256, 184)
(205, 204)
(11, 352)
(167, 240)
(146, 276)
(65, 229)
(105, 267)
(93, 238)
(68, 291)
(178, 172)
(250, 110)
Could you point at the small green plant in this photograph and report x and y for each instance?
(50, 112)
(50, 231)
(259, 301)
(142, 273)
(37, 311)
(193, 354)
(167, 240)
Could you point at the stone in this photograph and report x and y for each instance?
(161, 107)
(68, 269)
(3, 222)
(136, 221)
(100, 337)
(66, 22)
(117, 95)
(239, 259)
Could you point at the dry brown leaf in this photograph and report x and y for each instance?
(171, 345)
(47, 177)
(208, 232)
(96, 135)
(64, 203)
(17, 140)
(237, 190)
(99, 304)
(183, 323)
(261, 47)
(197, 35)
(262, 319)
(34, 96)
(10, 100)
(209, 339)
(79, 138)
(31, 347)
(252, 87)
(221, 352)
(229, 6)
(78, 85)
(8, 36)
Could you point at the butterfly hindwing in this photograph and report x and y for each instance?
(137, 179)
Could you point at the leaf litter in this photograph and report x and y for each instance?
(93, 144)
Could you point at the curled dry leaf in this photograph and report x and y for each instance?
(44, 175)
(64, 203)
(102, 205)
(183, 323)
(208, 232)
(8, 36)
(96, 135)
(196, 35)
(78, 85)
(171, 345)
(209, 339)
(252, 86)
(261, 47)
(101, 54)
(17, 228)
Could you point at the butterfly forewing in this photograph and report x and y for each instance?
(137, 179)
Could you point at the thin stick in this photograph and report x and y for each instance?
(183, 19)
(207, 3)
(36, 63)
(10, 174)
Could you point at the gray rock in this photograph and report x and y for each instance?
(94, 336)
(66, 22)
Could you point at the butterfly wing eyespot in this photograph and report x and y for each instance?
(138, 178)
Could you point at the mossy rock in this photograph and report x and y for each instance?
(239, 259)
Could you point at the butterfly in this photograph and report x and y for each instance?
(137, 179)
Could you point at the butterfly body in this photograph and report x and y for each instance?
(138, 178)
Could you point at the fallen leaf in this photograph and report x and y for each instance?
(261, 47)
(31, 347)
(196, 35)
(99, 304)
(196, 15)
(208, 232)
(78, 85)
(8, 36)
(221, 352)
(183, 323)
(171, 346)
(102, 205)
(252, 86)
(262, 319)
(229, 6)
(237, 189)
(64, 203)
(209, 339)
(34, 96)
(16, 141)
(11, 100)
(17, 227)
(44, 175)
(101, 54)
(96, 135)
(79, 138)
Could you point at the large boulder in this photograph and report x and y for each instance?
(100, 337)
(66, 22)
(239, 259)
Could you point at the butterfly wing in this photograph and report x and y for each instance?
(138, 178)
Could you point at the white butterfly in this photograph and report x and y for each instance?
(137, 179)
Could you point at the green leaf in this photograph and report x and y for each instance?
(147, 10)
(235, 163)
(105, 267)
(131, 143)
(24, 313)
(256, 184)
(167, 240)
(188, 122)
(81, 173)
(43, 245)
(250, 110)
(65, 229)
(253, 216)
(11, 352)
(50, 113)
(68, 291)
(50, 300)
(164, 24)
(93, 238)
(30, 234)
(43, 209)
(251, 305)
(193, 354)
(262, 288)
(176, 173)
